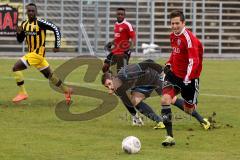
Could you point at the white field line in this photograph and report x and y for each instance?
(96, 85)
(45, 80)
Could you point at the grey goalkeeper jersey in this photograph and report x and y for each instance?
(134, 76)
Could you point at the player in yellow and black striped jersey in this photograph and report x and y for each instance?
(33, 31)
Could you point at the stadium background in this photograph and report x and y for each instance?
(87, 25)
(32, 130)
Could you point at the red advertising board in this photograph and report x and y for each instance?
(8, 20)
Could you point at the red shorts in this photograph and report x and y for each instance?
(170, 90)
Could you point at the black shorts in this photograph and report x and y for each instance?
(173, 85)
(147, 90)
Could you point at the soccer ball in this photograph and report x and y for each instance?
(131, 145)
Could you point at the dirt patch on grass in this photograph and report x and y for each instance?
(216, 124)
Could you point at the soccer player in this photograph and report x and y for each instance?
(124, 41)
(120, 52)
(182, 72)
(125, 81)
(146, 73)
(137, 95)
(124, 35)
(33, 30)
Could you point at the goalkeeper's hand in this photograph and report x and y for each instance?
(108, 46)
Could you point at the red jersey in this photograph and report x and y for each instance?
(187, 54)
(122, 33)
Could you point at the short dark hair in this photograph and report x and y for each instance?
(32, 4)
(105, 76)
(177, 13)
(121, 9)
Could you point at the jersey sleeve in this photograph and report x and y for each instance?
(43, 24)
(193, 59)
(21, 36)
(132, 33)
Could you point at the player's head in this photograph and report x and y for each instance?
(107, 81)
(31, 11)
(120, 14)
(177, 20)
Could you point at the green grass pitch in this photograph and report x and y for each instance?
(32, 131)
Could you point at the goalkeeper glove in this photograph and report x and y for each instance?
(108, 46)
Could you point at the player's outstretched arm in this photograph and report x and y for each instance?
(50, 26)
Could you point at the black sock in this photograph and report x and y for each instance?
(198, 116)
(180, 102)
(148, 112)
(167, 119)
(130, 109)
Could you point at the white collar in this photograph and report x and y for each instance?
(184, 28)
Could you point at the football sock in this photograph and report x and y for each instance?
(57, 82)
(180, 102)
(198, 116)
(148, 112)
(20, 82)
(131, 109)
(167, 119)
(128, 104)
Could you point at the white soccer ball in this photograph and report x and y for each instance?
(131, 145)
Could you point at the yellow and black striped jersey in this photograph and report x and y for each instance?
(35, 34)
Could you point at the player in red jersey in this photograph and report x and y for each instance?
(124, 41)
(120, 52)
(182, 72)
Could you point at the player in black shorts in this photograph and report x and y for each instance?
(142, 78)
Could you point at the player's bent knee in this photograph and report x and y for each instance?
(166, 99)
(47, 74)
(14, 69)
(136, 98)
(189, 108)
(134, 101)
(174, 99)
